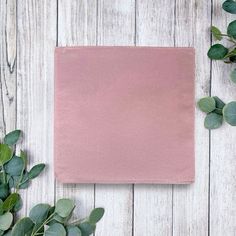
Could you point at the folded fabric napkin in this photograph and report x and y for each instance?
(124, 115)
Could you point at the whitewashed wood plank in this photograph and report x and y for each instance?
(190, 202)
(77, 26)
(116, 26)
(7, 66)
(36, 37)
(153, 203)
(223, 151)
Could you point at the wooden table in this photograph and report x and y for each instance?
(29, 32)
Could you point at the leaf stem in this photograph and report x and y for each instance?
(44, 223)
(20, 179)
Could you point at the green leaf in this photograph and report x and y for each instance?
(59, 219)
(217, 52)
(2, 178)
(229, 113)
(87, 228)
(1, 207)
(23, 157)
(231, 30)
(15, 166)
(207, 104)
(229, 6)
(4, 191)
(25, 181)
(216, 33)
(12, 137)
(55, 230)
(233, 76)
(73, 231)
(14, 181)
(64, 207)
(23, 227)
(8, 233)
(11, 201)
(39, 213)
(35, 171)
(219, 103)
(6, 221)
(5, 154)
(213, 121)
(231, 54)
(96, 215)
(18, 205)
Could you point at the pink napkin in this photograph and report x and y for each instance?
(124, 115)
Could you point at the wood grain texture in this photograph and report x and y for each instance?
(36, 37)
(77, 26)
(153, 203)
(116, 26)
(7, 66)
(29, 31)
(190, 202)
(223, 149)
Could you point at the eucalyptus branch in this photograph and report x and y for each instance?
(216, 110)
(43, 219)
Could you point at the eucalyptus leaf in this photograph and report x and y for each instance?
(96, 215)
(24, 157)
(231, 53)
(17, 181)
(219, 103)
(229, 6)
(12, 183)
(12, 137)
(39, 213)
(15, 166)
(2, 180)
(207, 104)
(217, 52)
(87, 228)
(64, 207)
(213, 121)
(36, 170)
(73, 231)
(1, 207)
(59, 219)
(23, 227)
(25, 181)
(5, 153)
(229, 113)
(11, 201)
(55, 230)
(8, 233)
(231, 29)
(233, 76)
(18, 205)
(4, 191)
(6, 221)
(51, 211)
(216, 33)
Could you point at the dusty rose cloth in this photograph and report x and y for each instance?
(124, 115)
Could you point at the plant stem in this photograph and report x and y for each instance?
(18, 184)
(44, 223)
